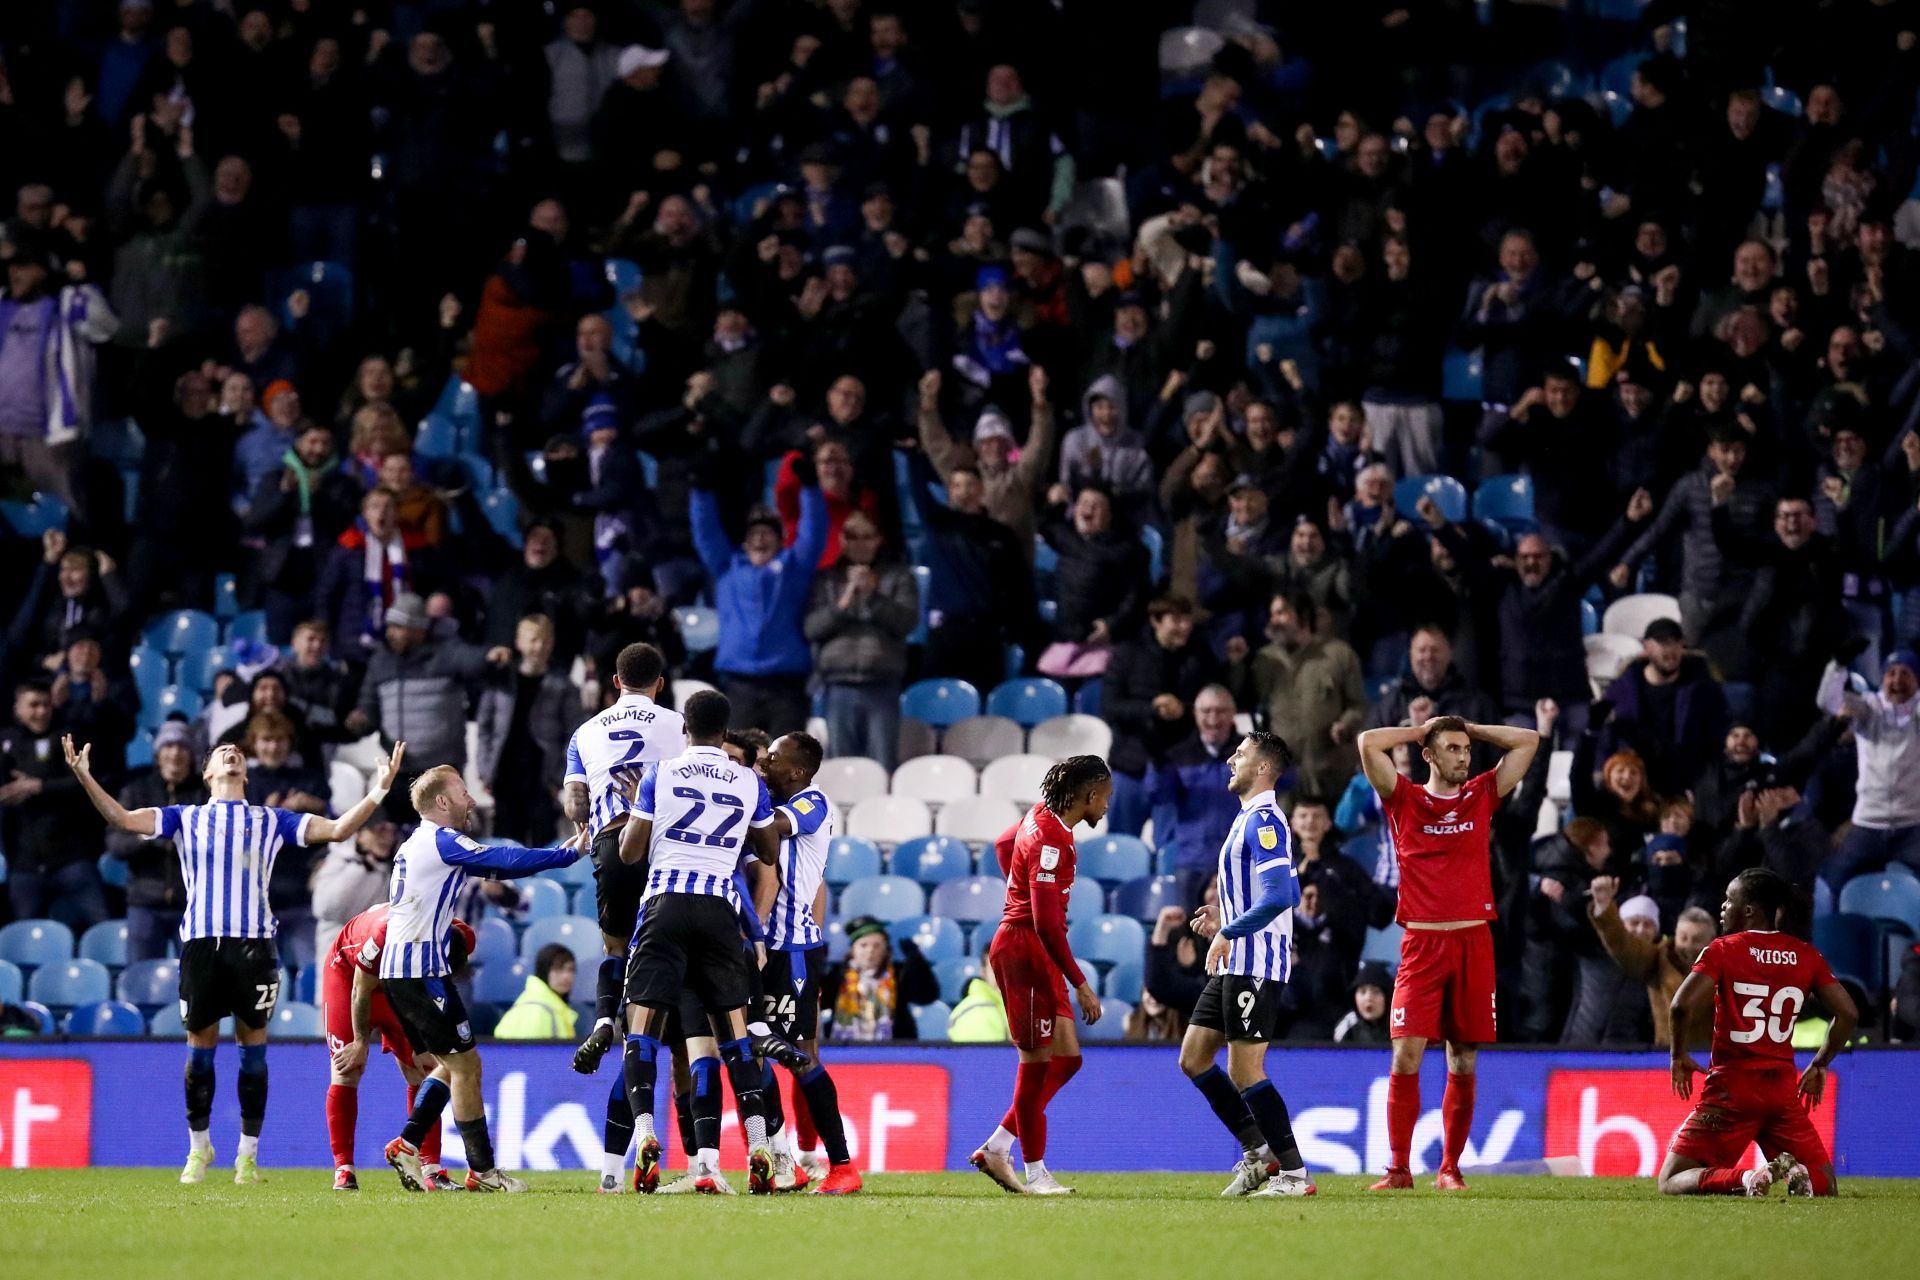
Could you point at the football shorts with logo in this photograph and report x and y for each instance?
(1240, 1008)
(337, 991)
(790, 992)
(221, 976)
(1033, 987)
(432, 1014)
(1738, 1108)
(1445, 987)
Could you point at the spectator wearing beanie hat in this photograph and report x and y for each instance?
(1630, 933)
(258, 452)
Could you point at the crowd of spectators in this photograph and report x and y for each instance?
(462, 343)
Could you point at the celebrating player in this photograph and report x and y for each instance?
(796, 952)
(604, 760)
(1248, 964)
(356, 1009)
(1445, 987)
(228, 961)
(691, 821)
(1757, 979)
(1033, 965)
(429, 870)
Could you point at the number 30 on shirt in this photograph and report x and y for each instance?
(1771, 1018)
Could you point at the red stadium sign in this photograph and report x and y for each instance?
(46, 1112)
(1618, 1123)
(895, 1116)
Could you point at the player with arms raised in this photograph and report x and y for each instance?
(1033, 966)
(1756, 979)
(1445, 986)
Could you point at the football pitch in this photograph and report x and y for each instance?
(139, 1223)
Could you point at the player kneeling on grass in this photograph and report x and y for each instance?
(1756, 979)
(1248, 965)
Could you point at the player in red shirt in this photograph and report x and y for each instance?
(352, 976)
(1756, 979)
(1033, 965)
(1445, 987)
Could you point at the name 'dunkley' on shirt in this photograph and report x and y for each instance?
(715, 772)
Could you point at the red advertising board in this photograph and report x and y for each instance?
(1618, 1123)
(895, 1115)
(46, 1113)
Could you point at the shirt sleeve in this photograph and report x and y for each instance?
(763, 808)
(1003, 848)
(292, 826)
(576, 771)
(1269, 844)
(506, 860)
(168, 826)
(1050, 911)
(643, 803)
(805, 812)
(1709, 961)
(368, 957)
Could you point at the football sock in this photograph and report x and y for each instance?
(1030, 1106)
(429, 1101)
(1035, 1168)
(606, 988)
(805, 1136)
(770, 1099)
(1270, 1112)
(1822, 1185)
(1060, 1069)
(743, 1071)
(1000, 1141)
(479, 1143)
(638, 1066)
(818, 1099)
(1456, 1116)
(1229, 1106)
(617, 1135)
(683, 1119)
(1722, 1182)
(429, 1145)
(706, 1105)
(343, 1111)
(252, 1087)
(1403, 1111)
(199, 1089)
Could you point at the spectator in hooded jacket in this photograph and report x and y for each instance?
(156, 891)
(1103, 450)
(541, 1011)
(1366, 1024)
(863, 608)
(1886, 732)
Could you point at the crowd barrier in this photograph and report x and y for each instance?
(118, 1103)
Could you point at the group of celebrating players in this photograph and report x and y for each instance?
(709, 850)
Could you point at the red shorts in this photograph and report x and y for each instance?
(1031, 984)
(336, 989)
(1735, 1109)
(1445, 987)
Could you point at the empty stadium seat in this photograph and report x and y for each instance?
(940, 702)
(573, 875)
(1449, 494)
(577, 934)
(500, 981)
(296, 1018)
(1113, 1020)
(13, 983)
(847, 780)
(851, 858)
(1629, 615)
(1462, 376)
(1144, 897)
(937, 937)
(699, 628)
(1071, 735)
(882, 897)
(887, 820)
(917, 738)
(182, 631)
(1028, 701)
(196, 668)
(1852, 947)
(834, 935)
(1113, 859)
(930, 1021)
(149, 983)
(932, 860)
(1382, 947)
(106, 942)
(1125, 981)
(970, 901)
(149, 668)
(1108, 939)
(983, 740)
(172, 700)
(1016, 778)
(106, 1018)
(1506, 501)
(251, 625)
(74, 982)
(493, 942)
(438, 437)
(1889, 899)
(977, 819)
(937, 779)
(542, 899)
(954, 973)
(29, 943)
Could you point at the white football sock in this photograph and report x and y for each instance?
(708, 1160)
(642, 1128)
(1036, 1169)
(1001, 1142)
(250, 1144)
(756, 1127)
(613, 1164)
(202, 1139)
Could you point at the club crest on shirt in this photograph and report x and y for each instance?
(1049, 857)
(1269, 838)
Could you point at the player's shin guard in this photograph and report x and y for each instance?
(1030, 1110)
(770, 1099)
(252, 1087)
(818, 1098)
(343, 1112)
(706, 1104)
(606, 990)
(199, 1089)
(743, 1072)
(805, 1136)
(639, 1065)
(1456, 1116)
(429, 1101)
(1403, 1112)
(478, 1141)
(1270, 1113)
(1227, 1104)
(617, 1136)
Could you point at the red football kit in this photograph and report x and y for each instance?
(1032, 961)
(1761, 980)
(1445, 986)
(358, 947)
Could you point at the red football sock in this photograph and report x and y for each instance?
(429, 1145)
(1822, 1184)
(1060, 1069)
(1456, 1115)
(805, 1136)
(1403, 1111)
(1723, 1182)
(343, 1111)
(1030, 1109)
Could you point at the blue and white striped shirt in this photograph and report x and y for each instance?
(227, 848)
(606, 753)
(430, 869)
(701, 805)
(1258, 890)
(803, 861)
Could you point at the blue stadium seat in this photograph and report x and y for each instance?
(1507, 501)
(1462, 374)
(954, 974)
(1086, 699)
(577, 934)
(172, 700)
(1449, 493)
(150, 983)
(542, 899)
(1852, 947)
(932, 860)
(106, 942)
(1589, 618)
(1785, 101)
(166, 1023)
(113, 874)
(930, 1021)
(438, 437)
(76, 982)
(30, 943)
(573, 875)
(182, 631)
(980, 937)
(851, 858)
(41, 1014)
(106, 1018)
(937, 937)
(479, 472)
(493, 942)
(1893, 900)
(196, 669)
(502, 510)
(1027, 702)
(13, 983)
(226, 596)
(973, 900)
(1113, 859)
(31, 519)
(586, 900)
(1382, 947)
(149, 668)
(940, 702)
(1144, 897)
(500, 981)
(251, 625)
(1618, 74)
(1125, 981)
(296, 1018)
(923, 590)
(1108, 939)
(883, 897)
(624, 275)
(834, 934)
(699, 628)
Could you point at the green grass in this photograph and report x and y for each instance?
(141, 1223)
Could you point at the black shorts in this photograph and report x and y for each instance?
(690, 942)
(616, 886)
(1239, 1008)
(432, 1012)
(221, 976)
(688, 1018)
(790, 993)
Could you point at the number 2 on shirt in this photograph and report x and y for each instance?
(685, 834)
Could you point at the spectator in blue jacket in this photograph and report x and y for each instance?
(762, 591)
(1192, 808)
